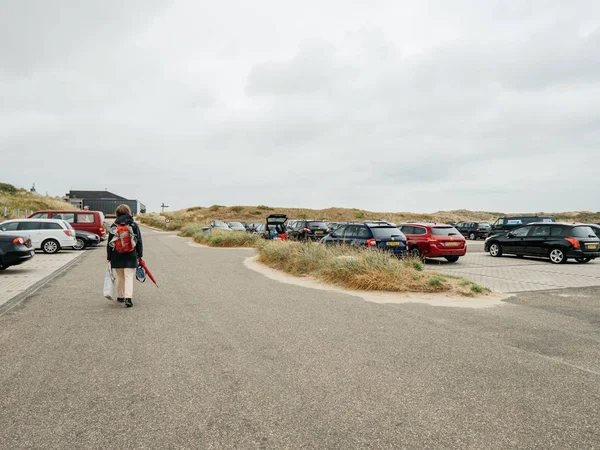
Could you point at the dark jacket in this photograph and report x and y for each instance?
(125, 260)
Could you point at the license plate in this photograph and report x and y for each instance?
(592, 246)
(451, 244)
(319, 231)
(392, 244)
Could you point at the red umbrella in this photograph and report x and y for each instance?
(143, 264)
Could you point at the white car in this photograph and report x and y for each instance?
(49, 235)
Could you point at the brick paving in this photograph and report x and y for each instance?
(511, 274)
(16, 280)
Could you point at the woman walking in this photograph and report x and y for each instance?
(123, 251)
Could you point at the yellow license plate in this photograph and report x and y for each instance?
(451, 244)
(319, 231)
(393, 244)
(592, 246)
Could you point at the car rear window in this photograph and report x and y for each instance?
(317, 224)
(444, 231)
(387, 232)
(582, 232)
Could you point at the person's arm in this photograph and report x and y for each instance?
(139, 248)
(109, 248)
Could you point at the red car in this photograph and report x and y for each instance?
(90, 221)
(433, 240)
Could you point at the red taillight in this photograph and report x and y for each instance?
(70, 233)
(307, 230)
(19, 240)
(371, 243)
(574, 242)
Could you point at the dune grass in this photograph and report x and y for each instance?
(360, 269)
(239, 213)
(20, 200)
(217, 238)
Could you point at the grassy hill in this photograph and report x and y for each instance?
(15, 198)
(203, 215)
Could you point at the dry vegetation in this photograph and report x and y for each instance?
(360, 269)
(14, 199)
(203, 215)
(218, 238)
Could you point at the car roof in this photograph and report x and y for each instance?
(427, 224)
(35, 220)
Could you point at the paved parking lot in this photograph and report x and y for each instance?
(511, 274)
(18, 280)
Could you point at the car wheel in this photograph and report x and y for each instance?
(80, 245)
(50, 246)
(557, 256)
(415, 252)
(495, 250)
(452, 259)
(472, 237)
(583, 260)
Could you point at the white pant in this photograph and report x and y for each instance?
(125, 282)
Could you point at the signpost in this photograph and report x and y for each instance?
(168, 222)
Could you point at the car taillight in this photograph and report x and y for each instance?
(307, 230)
(19, 240)
(69, 233)
(371, 243)
(574, 242)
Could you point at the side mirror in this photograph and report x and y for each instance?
(510, 235)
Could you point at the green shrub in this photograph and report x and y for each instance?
(217, 238)
(8, 188)
(237, 209)
(215, 208)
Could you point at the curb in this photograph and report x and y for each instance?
(10, 304)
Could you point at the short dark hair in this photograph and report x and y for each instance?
(123, 210)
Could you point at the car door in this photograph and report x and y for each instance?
(534, 241)
(31, 229)
(514, 242)
(337, 237)
(419, 238)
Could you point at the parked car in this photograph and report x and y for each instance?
(290, 224)
(380, 235)
(216, 225)
(275, 227)
(504, 224)
(556, 241)
(260, 229)
(90, 221)
(474, 230)
(236, 226)
(48, 235)
(305, 230)
(14, 250)
(251, 227)
(596, 229)
(431, 240)
(85, 239)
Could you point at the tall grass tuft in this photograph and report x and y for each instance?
(356, 268)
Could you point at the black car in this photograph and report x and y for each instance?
(85, 239)
(505, 224)
(556, 241)
(14, 250)
(474, 230)
(370, 234)
(596, 229)
(304, 230)
(216, 225)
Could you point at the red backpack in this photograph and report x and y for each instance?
(125, 239)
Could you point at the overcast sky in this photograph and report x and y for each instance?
(383, 105)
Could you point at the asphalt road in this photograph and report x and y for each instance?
(222, 357)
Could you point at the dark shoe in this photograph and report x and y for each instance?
(120, 300)
(128, 303)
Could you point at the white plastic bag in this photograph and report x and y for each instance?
(110, 284)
